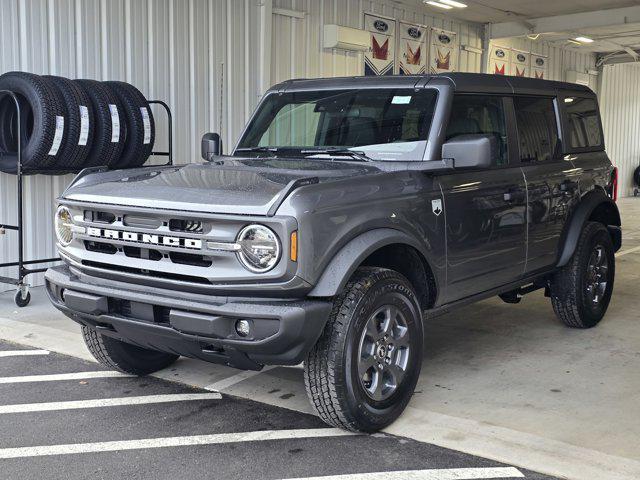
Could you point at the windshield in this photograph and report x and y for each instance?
(381, 124)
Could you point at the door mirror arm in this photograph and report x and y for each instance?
(211, 146)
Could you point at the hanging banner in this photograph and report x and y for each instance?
(539, 66)
(520, 63)
(499, 60)
(380, 60)
(444, 51)
(412, 49)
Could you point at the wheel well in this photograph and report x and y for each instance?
(410, 263)
(605, 213)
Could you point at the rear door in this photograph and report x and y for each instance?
(485, 209)
(552, 180)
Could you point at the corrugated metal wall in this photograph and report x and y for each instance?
(620, 109)
(560, 59)
(297, 42)
(176, 50)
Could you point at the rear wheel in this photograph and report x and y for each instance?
(124, 357)
(361, 373)
(581, 290)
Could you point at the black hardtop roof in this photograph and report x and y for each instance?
(461, 82)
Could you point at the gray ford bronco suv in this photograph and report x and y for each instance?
(350, 211)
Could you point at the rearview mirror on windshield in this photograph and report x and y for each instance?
(470, 151)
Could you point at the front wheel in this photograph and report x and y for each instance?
(361, 373)
(124, 357)
(581, 290)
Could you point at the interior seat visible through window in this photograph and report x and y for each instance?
(479, 115)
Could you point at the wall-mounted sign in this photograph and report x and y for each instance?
(539, 66)
(444, 51)
(380, 60)
(520, 63)
(499, 60)
(412, 55)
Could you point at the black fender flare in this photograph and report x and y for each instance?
(348, 259)
(588, 204)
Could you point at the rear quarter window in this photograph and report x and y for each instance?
(583, 122)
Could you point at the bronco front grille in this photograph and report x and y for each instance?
(149, 242)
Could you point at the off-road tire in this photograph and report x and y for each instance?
(332, 385)
(568, 287)
(135, 152)
(73, 155)
(103, 152)
(40, 106)
(124, 357)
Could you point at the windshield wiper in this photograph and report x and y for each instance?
(270, 150)
(338, 151)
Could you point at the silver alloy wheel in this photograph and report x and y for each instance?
(597, 275)
(383, 355)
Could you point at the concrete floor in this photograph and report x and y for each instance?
(507, 382)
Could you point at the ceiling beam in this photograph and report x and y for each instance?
(560, 23)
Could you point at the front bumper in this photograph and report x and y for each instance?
(282, 332)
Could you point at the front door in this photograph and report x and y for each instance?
(485, 210)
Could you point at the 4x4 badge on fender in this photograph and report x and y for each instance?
(436, 206)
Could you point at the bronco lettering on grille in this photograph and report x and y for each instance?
(152, 239)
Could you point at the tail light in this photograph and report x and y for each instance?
(614, 184)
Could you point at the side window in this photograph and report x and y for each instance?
(583, 122)
(475, 114)
(537, 128)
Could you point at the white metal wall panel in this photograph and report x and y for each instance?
(297, 42)
(620, 109)
(560, 60)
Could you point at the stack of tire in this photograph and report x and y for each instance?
(67, 125)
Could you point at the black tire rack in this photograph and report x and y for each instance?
(23, 296)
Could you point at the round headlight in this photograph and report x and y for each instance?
(64, 222)
(259, 248)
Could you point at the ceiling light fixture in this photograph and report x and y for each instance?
(584, 39)
(453, 3)
(439, 5)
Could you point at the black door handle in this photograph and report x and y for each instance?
(568, 185)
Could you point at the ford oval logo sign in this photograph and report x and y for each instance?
(444, 38)
(500, 53)
(381, 25)
(414, 32)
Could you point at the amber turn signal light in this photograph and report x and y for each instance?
(294, 247)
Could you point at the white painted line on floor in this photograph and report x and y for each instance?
(63, 376)
(230, 381)
(625, 252)
(22, 353)
(145, 443)
(431, 474)
(106, 402)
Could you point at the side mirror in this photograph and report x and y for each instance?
(211, 146)
(471, 151)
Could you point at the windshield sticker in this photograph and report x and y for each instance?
(401, 100)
